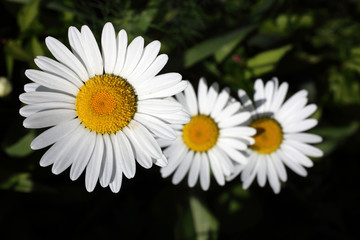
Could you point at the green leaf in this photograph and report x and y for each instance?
(28, 14)
(221, 46)
(334, 136)
(206, 225)
(22, 147)
(344, 85)
(285, 24)
(14, 50)
(19, 182)
(36, 47)
(265, 62)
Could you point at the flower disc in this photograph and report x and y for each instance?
(106, 104)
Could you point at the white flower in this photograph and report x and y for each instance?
(211, 141)
(105, 108)
(279, 139)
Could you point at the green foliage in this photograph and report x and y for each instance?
(219, 46)
(265, 62)
(22, 147)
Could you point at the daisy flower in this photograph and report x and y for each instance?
(211, 141)
(105, 108)
(280, 139)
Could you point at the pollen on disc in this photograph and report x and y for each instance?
(268, 135)
(106, 103)
(201, 133)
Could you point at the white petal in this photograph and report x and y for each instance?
(73, 150)
(92, 50)
(127, 163)
(202, 96)
(236, 132)
(272, 176)
(51, 66)
(234, 120)
(162, 161)
(269, 92)
(148, 57)
(63, 55)
(141, 155)
(228, 111)
(183, 168)
(51, 81)
(115, 185)
(44, 97)
(204, 172)
(216, 169)
(178, 118)
(54, 134)
(175, 159)
(250, 178)
(108, 165)
(259, 96)
(246, 102)
(305, 148)
(121, 42)
(234, 154)
(158, 83)
(133, 55)
(191, 99)
(261, 174)
(304, 137)
(301, 114)
(250, 167)
(226, 164)
(94, 165)
(300, 126)
(49, 118)
(79, 49)
(279, 97)
(28, 110)
(233, 142)
(212, 97)
(288, 105)
(108, 44)
(155, 106)
(31, 87)
(81, 160)
(279, 166)
(60, 147)
(145, 139)
(290, 110)
(168, 92)
(194, 170)
(156, 126)
(289, 161)
(151, 71)
(297, 155)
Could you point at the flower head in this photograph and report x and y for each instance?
(213, 139)
(105, 108)
(280, 139)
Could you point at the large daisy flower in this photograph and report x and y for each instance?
(212, 140)
(280, 139)
(105, 108)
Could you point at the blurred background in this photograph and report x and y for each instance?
(312, 44)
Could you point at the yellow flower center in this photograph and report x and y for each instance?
(268, 135)
(201, 133)
(106, 103)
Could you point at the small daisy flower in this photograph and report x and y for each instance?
(211, 141)
(105, 108)
(280, 139)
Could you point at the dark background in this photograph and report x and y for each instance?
(313, 45)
